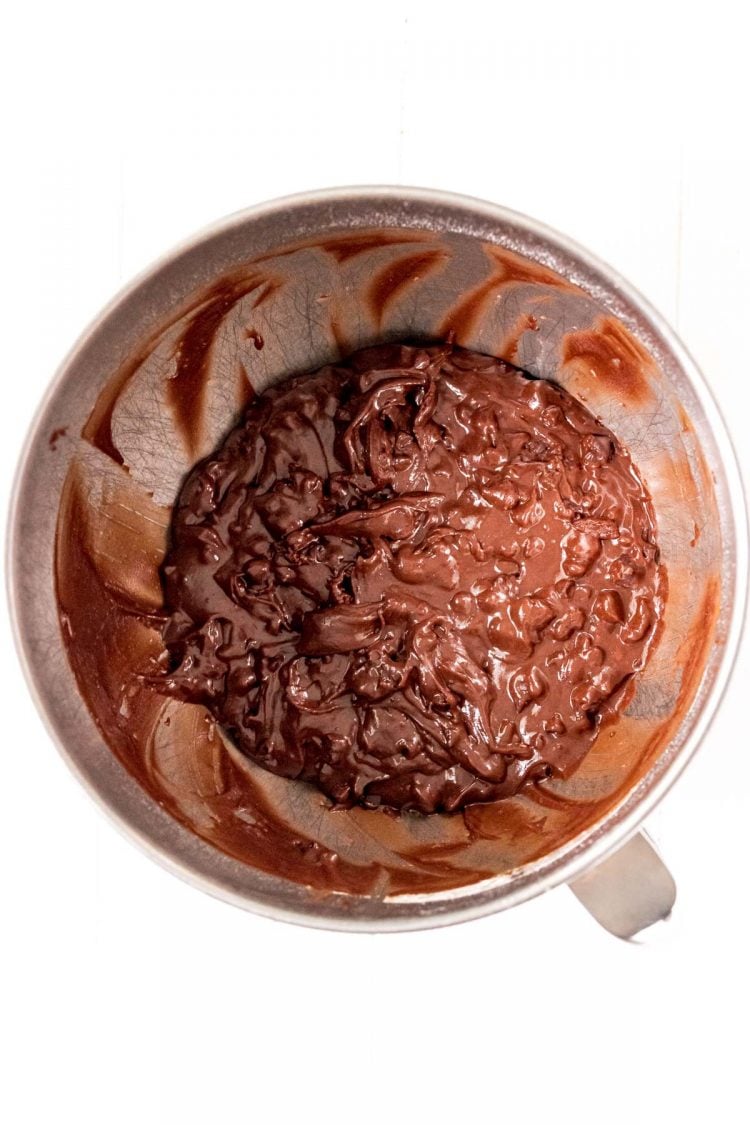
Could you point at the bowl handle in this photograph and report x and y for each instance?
(629, 890)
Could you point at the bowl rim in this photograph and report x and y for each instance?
(600, 840)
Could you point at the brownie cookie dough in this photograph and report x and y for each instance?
(419, 578)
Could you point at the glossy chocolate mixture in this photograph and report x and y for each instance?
(419, 578)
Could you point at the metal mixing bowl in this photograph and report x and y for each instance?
(445, 262)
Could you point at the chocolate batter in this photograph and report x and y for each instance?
(420, 578)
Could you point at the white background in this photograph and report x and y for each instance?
(129, 997)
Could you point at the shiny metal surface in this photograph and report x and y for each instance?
(139, 310)
(630, 890)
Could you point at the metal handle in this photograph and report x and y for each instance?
(629, 891)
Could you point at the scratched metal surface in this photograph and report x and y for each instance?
(445, 263)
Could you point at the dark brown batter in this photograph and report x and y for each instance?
(419, 578)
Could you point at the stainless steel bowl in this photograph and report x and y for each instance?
(666, 415)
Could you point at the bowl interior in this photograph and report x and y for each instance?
(310, 283)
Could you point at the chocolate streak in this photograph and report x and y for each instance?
(420, 578)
